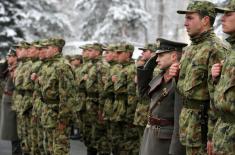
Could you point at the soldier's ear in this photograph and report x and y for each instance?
(206, 20)
(174, 56)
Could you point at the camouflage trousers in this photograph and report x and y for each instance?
(195, 151)
(102, 137)
(131, 143)
(56, 142)
(37, 137)
(117, 138)
(23, 130)
(90, 119)
(224, 138)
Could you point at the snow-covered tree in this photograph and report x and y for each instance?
(10, 32)
(113, 20)
(42, 19)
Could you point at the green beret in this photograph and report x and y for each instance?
(228, 7)
(22, 44)
(164, 45)
(151, 47)
(202, 7)
(125, 47)
(11, 52)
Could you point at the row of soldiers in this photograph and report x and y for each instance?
(51, 92)
(112, 116)
(100, 96)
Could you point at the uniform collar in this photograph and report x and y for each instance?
(203, 36)
(231, 40)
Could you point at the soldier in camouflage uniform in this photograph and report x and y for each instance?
(106, 99)
(194, 81)
(125, 103)
(92, 78)
(224, 97)
(141, 112)
(80, 82)
(21, 96)
(58, 95)
(76, 63)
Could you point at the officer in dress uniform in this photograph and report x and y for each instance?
(160, 135)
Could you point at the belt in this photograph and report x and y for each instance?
(159, 121)
(8, 93)
(194, 104)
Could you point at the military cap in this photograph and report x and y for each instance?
(228, 7)
(110, 47)
(59, 42)
(164, 45)
(95, 46)
(151, 47)
(11, 52)
(84, 47)
(73, 57)
(202, 7)
(125, 47)
(68, 57)
(37, 44)
(22, 44)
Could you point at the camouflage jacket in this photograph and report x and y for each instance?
(224, 97)
(58, 92)
(195, 83)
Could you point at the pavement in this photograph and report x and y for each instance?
(77, 148)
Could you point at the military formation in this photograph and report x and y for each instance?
(174, 99)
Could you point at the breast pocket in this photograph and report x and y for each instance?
(196, 81)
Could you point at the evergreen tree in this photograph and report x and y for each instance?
(10, 32)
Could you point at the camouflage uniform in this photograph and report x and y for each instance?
(195, 83)
(224, 97)
(22, 101)
(58, 94)
(92, 126)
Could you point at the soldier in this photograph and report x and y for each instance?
(194, 81)
(141, 112)
(76, 63)
(223, 74)
(37, 143)
(58, 95)
(92, 78)
(148, 51)
(8, 129)
(82, 94)
(106, 99)
(158, 134)
(21, 97)
(125, 103)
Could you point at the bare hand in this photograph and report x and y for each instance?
(174, 69)
(209, 148)
(114, 78)
(85, 77)
(216, 70)
(34, 76)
